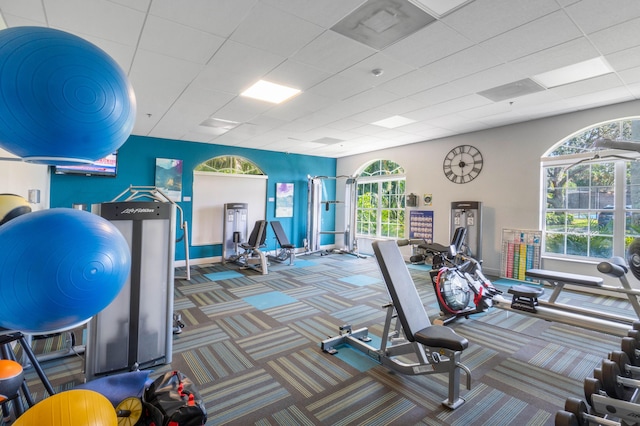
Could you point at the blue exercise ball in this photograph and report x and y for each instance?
(58, 268)
(63, 100)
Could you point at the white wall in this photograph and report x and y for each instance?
(509, 184)
(18, 177)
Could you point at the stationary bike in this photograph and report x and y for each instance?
(460, 286)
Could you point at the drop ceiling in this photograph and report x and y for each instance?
(468, 69)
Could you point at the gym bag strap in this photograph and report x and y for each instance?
(172, 400)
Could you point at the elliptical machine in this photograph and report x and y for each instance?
(460, 286)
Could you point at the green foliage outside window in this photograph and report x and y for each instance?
(381, 201)
(229, 164)
(584, 195)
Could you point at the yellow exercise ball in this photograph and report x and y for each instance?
(11, 206)
(11, 377)
(76, 407)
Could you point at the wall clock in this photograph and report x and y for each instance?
(462, 164)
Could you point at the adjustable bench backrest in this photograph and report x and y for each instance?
(402, 289)
(258, 234)
(280, 234)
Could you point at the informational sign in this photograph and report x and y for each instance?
(421, 225)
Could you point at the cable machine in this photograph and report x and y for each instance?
(135, 330)
(317, 203)
(468, 214)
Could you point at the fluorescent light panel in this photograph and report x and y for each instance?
(393, 122)
(270, 92)
(439, 8)
(572, 73)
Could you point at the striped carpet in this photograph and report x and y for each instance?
(251, 345)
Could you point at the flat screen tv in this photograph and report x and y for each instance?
(107, 166)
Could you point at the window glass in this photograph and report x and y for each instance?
(592, 193)
(229, 164)
(381, 200)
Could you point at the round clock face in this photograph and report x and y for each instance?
(462, 164)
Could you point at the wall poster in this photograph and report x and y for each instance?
(169, 178)
(421, 225)
(284, 199)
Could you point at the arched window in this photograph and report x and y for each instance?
(381, 200)
(229, 164)
(592, 191)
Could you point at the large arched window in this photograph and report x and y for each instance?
(381, 200)
(592, 191)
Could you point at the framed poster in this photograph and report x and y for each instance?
(421, 225)
(284, 200)
(169, 178)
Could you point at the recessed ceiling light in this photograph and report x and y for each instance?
(439, 8)
(270, 92)
(220, 123)
(393, 122)
(572, 73)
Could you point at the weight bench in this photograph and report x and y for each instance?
(525, 298)
(252, 257)
(437, 348)
(287, 250)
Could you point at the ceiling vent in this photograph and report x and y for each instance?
(380, 23)
(512, 90)
(328, 141)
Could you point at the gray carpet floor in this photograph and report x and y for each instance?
(251, 344)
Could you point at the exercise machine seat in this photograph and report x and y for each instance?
(442, 337)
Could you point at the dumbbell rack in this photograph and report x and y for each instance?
(613, 393)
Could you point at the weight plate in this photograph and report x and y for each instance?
(564, 418)
(129, 411)
(633, 257)
(591, 387)
(621, 358)
(610, 373)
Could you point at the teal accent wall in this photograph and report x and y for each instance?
(136, 166)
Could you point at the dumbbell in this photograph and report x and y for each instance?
(575, 413)
(615, 383)
(627, 368)
(592, 386)
(631, 346)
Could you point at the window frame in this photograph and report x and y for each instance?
(381, 176)
(588, 155)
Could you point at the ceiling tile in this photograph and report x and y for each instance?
(561, 55)
(220, 17)
(621, 37)
(179, 41)
(297, 75)
(483, 19)
(235, 67)
(332, 52)
(596, 15)
(96, 18)
(463, 63)
(543, 33)
(323, 13)
(430, 44)
(268, 29)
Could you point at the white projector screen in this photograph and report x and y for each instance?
(211, 191)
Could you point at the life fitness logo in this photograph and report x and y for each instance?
(136, 211)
